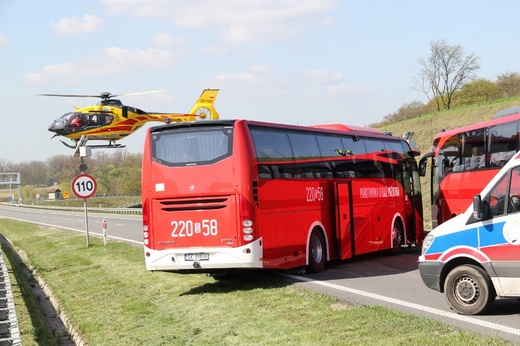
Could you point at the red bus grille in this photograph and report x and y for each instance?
(174, 205)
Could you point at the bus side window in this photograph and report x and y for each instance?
(503, 143)
(264, 172)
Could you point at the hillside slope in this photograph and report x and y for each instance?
(428, 125)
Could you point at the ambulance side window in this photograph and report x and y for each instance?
(497, 197)
(514, 191)
(505, 196)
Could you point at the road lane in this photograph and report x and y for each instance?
(391, 281)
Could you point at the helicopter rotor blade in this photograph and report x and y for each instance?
(141, 93)
(68, 95)
(105, 95)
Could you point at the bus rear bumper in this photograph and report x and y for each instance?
(244, 257)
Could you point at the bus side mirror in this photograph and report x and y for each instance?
(480, 208)
(422, 167)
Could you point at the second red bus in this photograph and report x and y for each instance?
(465, 159)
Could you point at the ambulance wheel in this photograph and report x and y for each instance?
(397, 238)
(469, 290)
(317, 252)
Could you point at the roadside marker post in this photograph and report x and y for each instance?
(104, 226)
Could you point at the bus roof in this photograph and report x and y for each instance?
(335, 128)
(494, 121)
(506, 112)
(348, 128)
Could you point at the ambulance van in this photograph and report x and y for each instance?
(475, 257)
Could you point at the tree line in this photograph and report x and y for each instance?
(117, 172)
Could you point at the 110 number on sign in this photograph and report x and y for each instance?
(84, 186)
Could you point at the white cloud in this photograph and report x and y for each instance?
(74, 25)
(142, 8)
(166, 40)
(112, 60)
(3, 40)
(237, 21)
(334, 82)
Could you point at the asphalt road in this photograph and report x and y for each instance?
(391, 281)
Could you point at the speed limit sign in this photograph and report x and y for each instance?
(84, 186)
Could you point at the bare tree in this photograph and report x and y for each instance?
(444, 72)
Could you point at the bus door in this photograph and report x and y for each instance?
(344, 235)
(412, 185)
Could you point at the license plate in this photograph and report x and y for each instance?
(196, 256)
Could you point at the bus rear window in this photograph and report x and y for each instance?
(191, 146)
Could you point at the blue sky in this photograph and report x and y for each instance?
(291, 61)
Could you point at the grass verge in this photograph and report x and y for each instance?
(112, 300)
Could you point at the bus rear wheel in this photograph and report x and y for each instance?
(469, 290)
(317, 252)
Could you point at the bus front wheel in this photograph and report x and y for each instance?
(317, 252)
(469, 290)
(397, 238)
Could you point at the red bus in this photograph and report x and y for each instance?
(464, 160)
(238, 194)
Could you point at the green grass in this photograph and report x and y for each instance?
(112, 300)
(30, 317)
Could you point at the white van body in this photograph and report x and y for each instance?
(475, 257)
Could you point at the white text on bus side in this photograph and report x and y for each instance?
(314, 193)
(188, 228)
(376, 192)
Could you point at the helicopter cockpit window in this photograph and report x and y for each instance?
(92, 120)
(78, 120)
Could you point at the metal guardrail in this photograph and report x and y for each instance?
(9, 329)
(136, 211)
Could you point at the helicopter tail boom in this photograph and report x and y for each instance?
(203, 109)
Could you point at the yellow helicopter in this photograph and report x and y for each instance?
(111, 121)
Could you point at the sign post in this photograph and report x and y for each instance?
(84, 186)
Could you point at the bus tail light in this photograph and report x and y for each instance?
(247, 220)
(146, 223)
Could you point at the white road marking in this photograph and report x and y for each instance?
(434, 311)
(81, 231)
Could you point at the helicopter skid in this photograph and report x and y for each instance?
(98, 146)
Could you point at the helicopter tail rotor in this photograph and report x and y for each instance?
(204, 107)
